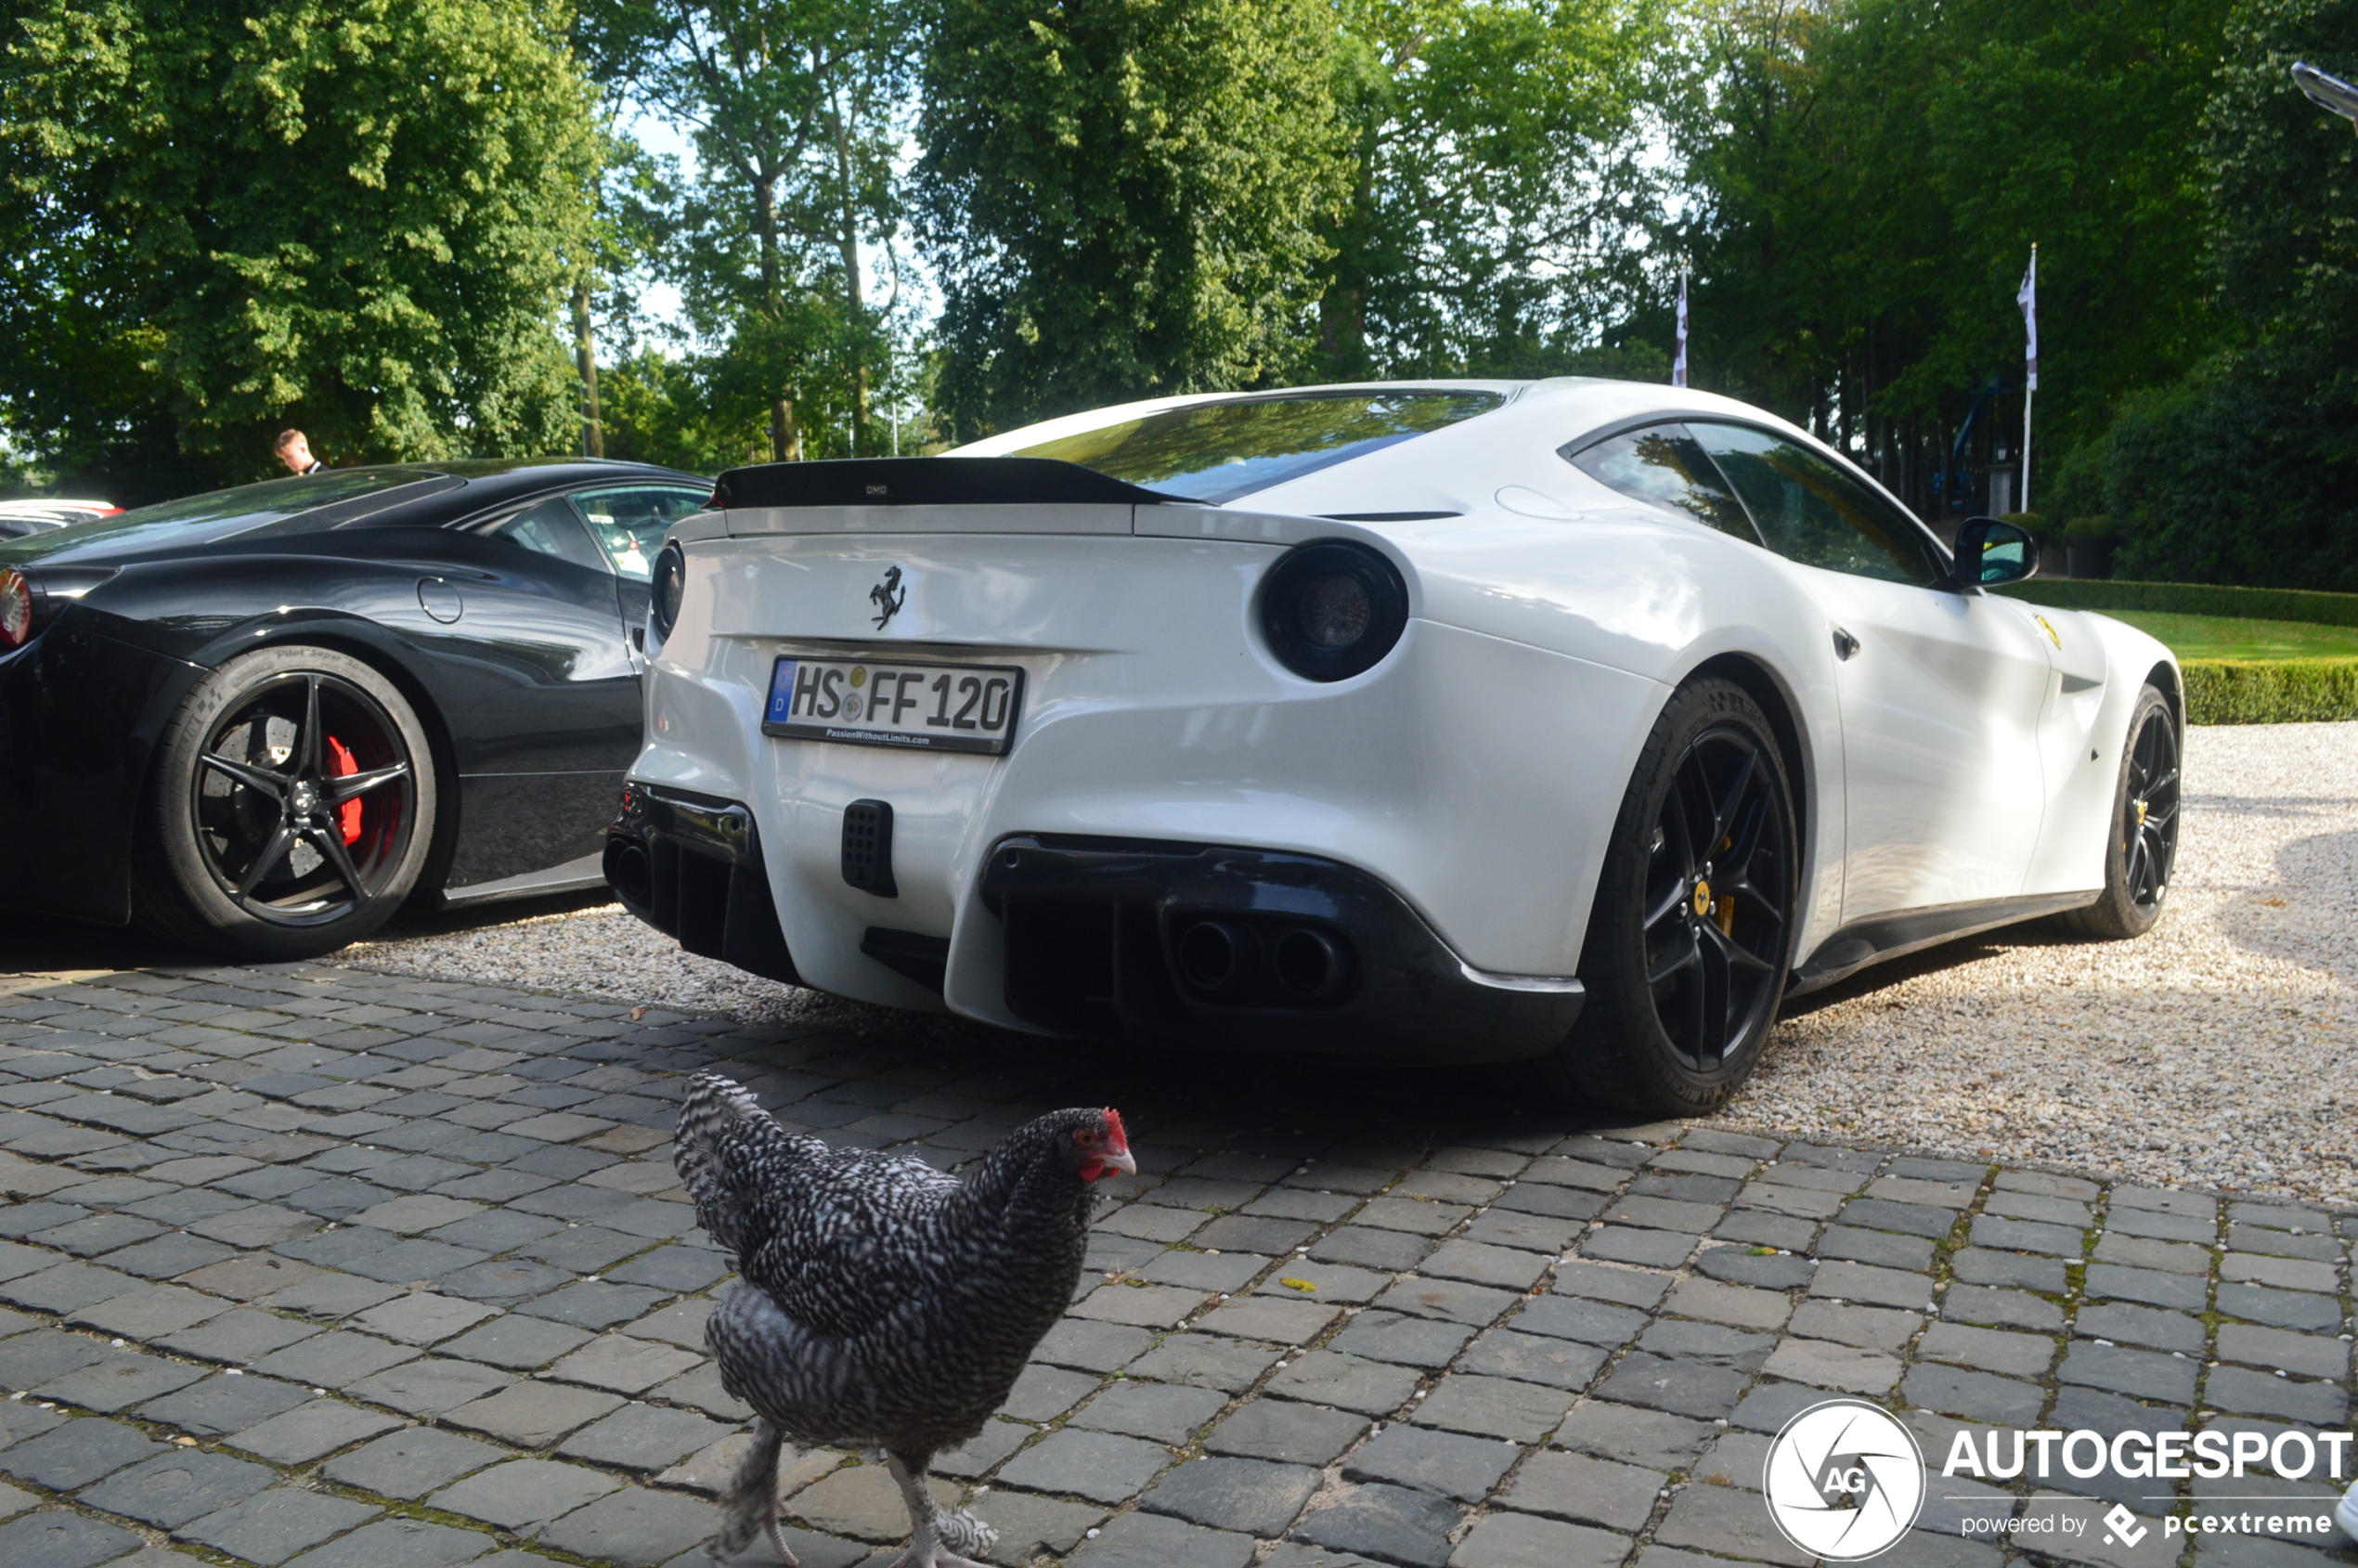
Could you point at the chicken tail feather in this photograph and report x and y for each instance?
(725, 1144)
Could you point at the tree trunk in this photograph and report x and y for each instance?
(848, 237)
(785, 436)
(585, 351)
(785, 441)
(1342, 330)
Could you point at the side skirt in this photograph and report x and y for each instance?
(575, 875)
(1879, 936)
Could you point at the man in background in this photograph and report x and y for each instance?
(295, 450)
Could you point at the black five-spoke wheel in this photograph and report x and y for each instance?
(2143, 843)
(1717, 867)
(2149, 817)
(1691, 934)
(294, 802)
(304, 794)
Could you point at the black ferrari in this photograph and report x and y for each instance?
(262, 720)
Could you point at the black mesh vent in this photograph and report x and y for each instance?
(867, 848)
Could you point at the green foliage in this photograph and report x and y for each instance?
(226, 218)
(659, 411)
(2285, 692)
(2234, 476)
(2190, 599)
(2097, 526)
(1498, 171)
(2284, 178)
(1631, 361)
(1871, 178)
(794, 107)
(2245, 471)
(1124, 197)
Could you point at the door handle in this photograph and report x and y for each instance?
(1845, 645)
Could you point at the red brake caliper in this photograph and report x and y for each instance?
(340, 762)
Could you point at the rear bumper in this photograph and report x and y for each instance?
(1116, 938)
(690, 867)
(1267, 950)
(79, 716)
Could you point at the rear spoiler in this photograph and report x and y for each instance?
(927, 482)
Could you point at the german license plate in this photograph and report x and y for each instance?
(922, 707)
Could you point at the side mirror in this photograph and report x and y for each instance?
(1990, 553)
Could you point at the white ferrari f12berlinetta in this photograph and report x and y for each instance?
(1570, 723)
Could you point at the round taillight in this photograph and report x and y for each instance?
(670, 582)
(16, 608)
(1333, 609)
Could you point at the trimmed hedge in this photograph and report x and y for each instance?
(2271, 692)
(2190, 599)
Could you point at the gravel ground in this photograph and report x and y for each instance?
(2221, 1050)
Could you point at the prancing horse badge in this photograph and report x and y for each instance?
(887, 596)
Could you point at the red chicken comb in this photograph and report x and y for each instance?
(1119, 1139)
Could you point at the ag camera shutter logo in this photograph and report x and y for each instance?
(1844, 1481)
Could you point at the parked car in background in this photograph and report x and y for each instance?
(1572, 723)
(18, 518)
(261, 719)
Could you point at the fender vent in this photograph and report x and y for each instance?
(867, 848)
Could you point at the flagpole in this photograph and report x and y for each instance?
(1679, 365)
(2030, 356)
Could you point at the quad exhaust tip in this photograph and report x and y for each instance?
(1217, 956)
(1310, 963)
(628, 871)
(1221, 957)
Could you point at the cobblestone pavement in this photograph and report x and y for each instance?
(331, 1269)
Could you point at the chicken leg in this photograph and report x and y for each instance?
(934, 1531)
(750, 1505)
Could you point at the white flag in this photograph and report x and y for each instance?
(2029, 299)
(1679, 365)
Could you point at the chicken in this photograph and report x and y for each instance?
(881, 1305)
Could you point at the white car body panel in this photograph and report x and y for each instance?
(1966, 754)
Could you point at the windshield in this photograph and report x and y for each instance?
(215, 514)
(1214, 452)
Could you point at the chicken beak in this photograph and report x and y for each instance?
(1120, 1160)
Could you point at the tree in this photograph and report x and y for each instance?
(1124, 197)
(1500, 190)
(1869, 176)
(792, 105)
(353, 218)
(2244, 472)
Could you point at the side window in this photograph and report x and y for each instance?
(629, 523)
(1811, 512)
(551, 528)
(1662, 464)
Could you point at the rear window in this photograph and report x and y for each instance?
(1214, 452)
(218, 514)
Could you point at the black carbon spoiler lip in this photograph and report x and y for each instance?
(929, 481)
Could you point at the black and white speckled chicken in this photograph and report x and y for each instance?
(881, 1305)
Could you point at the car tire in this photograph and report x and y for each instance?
(1683, 977)
(2143, 845)
(290, 810)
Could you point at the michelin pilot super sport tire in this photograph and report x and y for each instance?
(291, 809)
(1690, 940)
(2142, 847)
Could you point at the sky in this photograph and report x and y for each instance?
(660, 136)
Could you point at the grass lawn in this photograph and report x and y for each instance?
(2221, 637)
